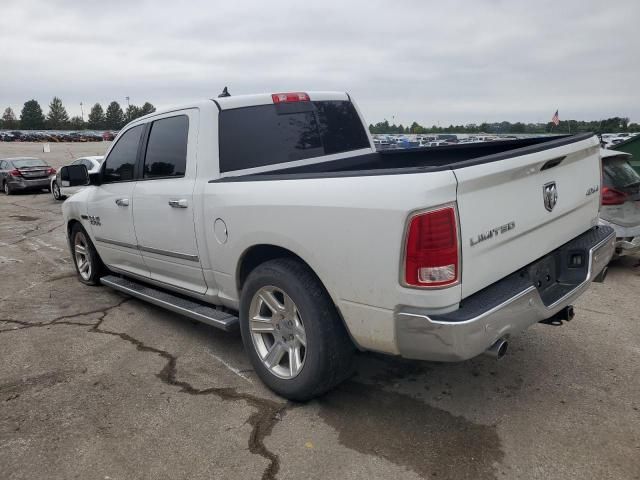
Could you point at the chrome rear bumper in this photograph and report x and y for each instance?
(503, 309)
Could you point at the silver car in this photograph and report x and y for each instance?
(58, 188)
(621, 200)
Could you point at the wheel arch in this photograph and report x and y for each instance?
(70, 225)
(258, 254)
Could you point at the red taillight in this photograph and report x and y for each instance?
(611, 196)
(431, 251)
(51, 171)
(15, 173)
(290, 97)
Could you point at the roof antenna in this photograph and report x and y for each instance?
(225, 93)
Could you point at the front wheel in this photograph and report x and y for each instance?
(85, 257)
(292, 332)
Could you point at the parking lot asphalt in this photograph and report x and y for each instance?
(96, 385)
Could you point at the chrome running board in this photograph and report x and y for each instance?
(189, 308)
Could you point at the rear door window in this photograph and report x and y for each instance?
(167, 148)
(120, 164)
(265, 135)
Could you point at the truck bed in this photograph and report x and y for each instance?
(416, 160)
(507, 218)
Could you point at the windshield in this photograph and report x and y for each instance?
(29, 162)
(618, 173)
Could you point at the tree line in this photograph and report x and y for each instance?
(33, 118)
(613, 124)
(114, 118)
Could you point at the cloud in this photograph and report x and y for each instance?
(434, 62)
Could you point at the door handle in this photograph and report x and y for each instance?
(182, 203)
(122, 202)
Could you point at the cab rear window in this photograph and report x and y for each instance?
(266, 135)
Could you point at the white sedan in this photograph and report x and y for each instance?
(60, 191)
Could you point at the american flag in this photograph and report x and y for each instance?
(555, 119)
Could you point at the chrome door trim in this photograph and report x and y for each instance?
(157, 251)
(167, 253)
(116, 243)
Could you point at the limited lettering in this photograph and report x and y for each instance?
(494, 232)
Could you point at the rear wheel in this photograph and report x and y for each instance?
(85, 257)
(55, 190)
(292, 332)
(6, 188)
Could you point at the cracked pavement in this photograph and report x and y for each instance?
(94, 384)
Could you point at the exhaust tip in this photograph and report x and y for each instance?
(502, 349)
(498, 349)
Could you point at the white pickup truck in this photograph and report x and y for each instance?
(274, 213)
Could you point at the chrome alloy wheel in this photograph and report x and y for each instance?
(277, 332)
(56, 191)
(81, 254)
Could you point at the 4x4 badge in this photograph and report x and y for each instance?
(550, 195)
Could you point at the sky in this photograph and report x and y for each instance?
(433, 62)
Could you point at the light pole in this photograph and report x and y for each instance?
(127, 99)
(81, 112)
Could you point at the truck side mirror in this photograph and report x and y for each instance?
(74, 176)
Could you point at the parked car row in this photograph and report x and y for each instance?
(48, 136)
(609, 140)
(394, 141)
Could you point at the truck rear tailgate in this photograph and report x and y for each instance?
(516, 209)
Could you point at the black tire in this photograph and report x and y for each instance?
(55, 191)
(6, 188)
(97, 268)
(329, 351)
